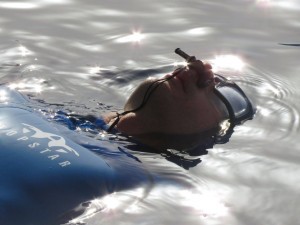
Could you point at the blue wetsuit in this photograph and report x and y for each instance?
(43, 173)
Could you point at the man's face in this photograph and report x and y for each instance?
(179, 105)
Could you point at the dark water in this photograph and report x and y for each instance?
(87, 56)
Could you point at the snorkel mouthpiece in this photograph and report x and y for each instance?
(204, 81)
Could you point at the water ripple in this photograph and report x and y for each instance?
(277, 115)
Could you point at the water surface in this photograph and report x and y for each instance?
(88, 57)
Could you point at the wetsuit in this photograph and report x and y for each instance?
(44, 174)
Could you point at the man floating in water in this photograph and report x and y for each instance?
(178, 110)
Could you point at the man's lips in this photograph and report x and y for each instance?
(182, 77)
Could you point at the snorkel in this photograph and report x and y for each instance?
(186, 56)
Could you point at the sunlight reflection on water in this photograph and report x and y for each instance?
(3, 96)
(31, 5)
(288, 5)
(18, 5)
(135, 37)
(229, 62)
(79, 52)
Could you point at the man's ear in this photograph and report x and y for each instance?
(131, 124)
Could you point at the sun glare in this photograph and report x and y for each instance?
(18, 5)
(35, 85)
(24, 51)
(3, 96)
(135, 37)
(264, 111)
(208, 203)
(95, 69)
(183, 63)
(291, 4)
(231, 62)
(263, 2)
(110, 202)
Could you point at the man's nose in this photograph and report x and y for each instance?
(197, 65)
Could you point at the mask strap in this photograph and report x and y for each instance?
(147, 95)
(115, 122)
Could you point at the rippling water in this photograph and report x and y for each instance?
(87, 56)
